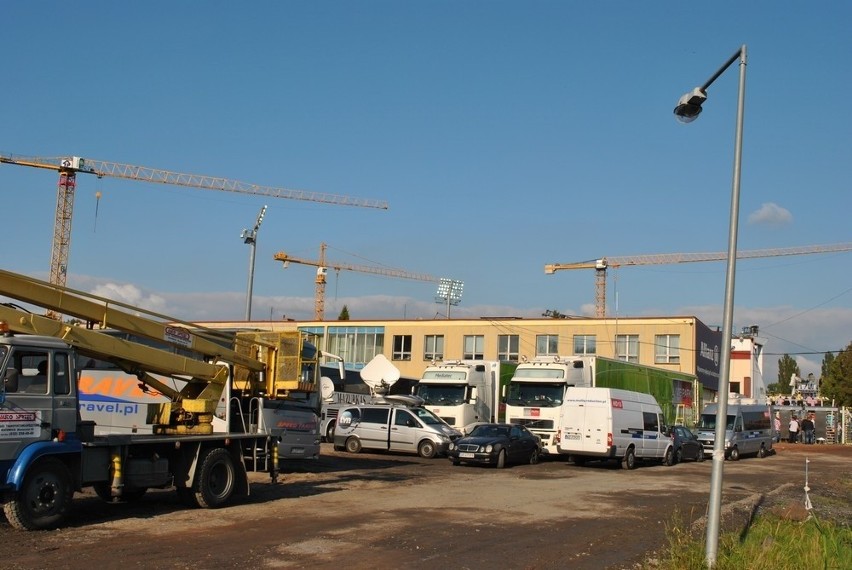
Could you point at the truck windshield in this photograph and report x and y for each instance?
(708, 421)
(543, 395)
(441, 395)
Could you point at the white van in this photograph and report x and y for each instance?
(392, 427)
(607, 423)
(748, 429)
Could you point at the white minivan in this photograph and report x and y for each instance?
(607, 423)
(392, 427)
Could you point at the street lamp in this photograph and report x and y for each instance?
(250, 237)
(687, 110)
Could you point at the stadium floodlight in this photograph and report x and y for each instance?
(449, 292)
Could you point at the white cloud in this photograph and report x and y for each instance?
(131, 295)
(771, 214)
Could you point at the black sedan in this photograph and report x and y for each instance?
(496, 444)
(685, 444)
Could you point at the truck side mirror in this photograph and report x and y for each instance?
(10, 380)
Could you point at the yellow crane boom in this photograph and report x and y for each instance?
(600, 265)
(68, 167)
(322, 268)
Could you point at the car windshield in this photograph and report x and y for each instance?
(708, 421)
(490, 431)
(426, 416)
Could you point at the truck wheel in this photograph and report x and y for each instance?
(104, 491)
(668, 458)
(427, 449)
(735, 453)
(44, 497)
(329, 432)
(215, 481)
(501, 459)
(629, 461)
(353, 445)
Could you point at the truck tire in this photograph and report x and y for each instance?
(501, 459)
(43, 499)
(427, 449)
(104, 492)
(353, 445)
(215, 480)
(629, 461)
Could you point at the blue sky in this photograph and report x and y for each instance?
(503, 135)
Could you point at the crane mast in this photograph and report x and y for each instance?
(68, 167)
(323, 266)
(600, 265)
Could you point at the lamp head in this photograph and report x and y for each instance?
(689, 106)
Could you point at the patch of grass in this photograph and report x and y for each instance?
(770, 542)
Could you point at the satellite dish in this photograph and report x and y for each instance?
(326, 388)
(379, 374)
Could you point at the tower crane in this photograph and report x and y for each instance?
(600, 265)
(322, 268)
(68, 167)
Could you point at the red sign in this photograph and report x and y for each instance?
(617, 403)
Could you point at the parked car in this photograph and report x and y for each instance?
(686, 444)
(496, 444)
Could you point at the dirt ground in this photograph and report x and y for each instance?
(375, 511)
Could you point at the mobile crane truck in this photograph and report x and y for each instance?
(47, 452)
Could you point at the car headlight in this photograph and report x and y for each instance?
(452, 446)
(444, 438)
(489, 448)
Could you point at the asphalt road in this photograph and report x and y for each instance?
(376, 511)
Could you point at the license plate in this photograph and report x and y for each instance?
(297, 450)
(466, 455)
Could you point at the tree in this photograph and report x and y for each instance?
(787, 366)
(344, 314)
(777, 388)
(826, 364)
(837, 384)
(553, 314)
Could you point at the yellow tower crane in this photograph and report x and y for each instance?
(600, 265)
(323, 266)
(69, 167)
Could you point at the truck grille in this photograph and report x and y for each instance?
(533, 424)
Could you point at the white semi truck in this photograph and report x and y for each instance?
(464, 392)
(535, 397)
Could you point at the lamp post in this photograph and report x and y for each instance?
(449, 292)
(687, 110)
(250, 237)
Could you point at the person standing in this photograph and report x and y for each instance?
(777, 427)
(793, 428)
(807, 430)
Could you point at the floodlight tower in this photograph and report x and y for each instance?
(449, 292)
(249, 237)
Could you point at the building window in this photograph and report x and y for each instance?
(474, 347)
(627, 347)
(667, 349)
(433, 347)
(508, 347)
(585, 344)
(401, 347)
(356, 345)
(546, 344)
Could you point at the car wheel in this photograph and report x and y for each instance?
(700, 457)
(629, 461)
(668, 458)
(735, 454)
(679, 456)
(329, 431)
(761, 452)
(535, 456)
(353, 445)
(501, 459)
(427, 449)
